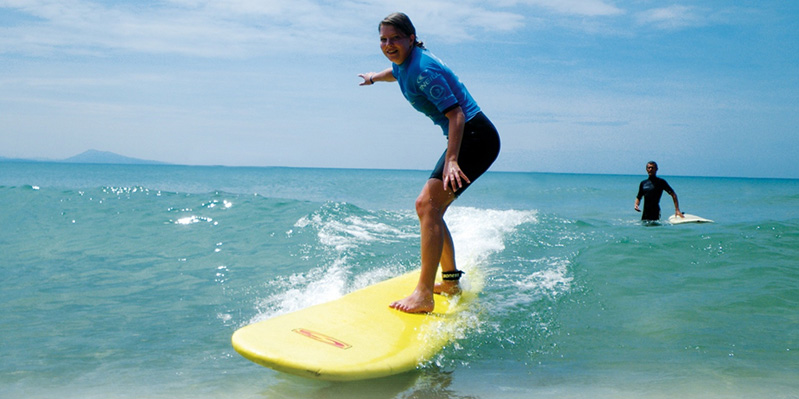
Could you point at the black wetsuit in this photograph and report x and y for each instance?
(479, 149)
(651, 190)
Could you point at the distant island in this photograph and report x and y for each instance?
(93, 157)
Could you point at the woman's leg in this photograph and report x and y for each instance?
(451, 287)
(479, 149)
(436, 241)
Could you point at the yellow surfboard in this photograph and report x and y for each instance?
(355, 337)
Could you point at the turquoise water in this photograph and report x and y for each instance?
(127, 282)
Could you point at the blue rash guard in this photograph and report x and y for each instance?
(432, 88)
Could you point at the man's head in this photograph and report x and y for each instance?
(652, 168)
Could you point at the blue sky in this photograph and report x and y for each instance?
(706, 88)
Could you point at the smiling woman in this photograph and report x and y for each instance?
(396, 35)
(472, 146)
(395, 45)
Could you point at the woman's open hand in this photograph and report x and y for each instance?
(454, 176)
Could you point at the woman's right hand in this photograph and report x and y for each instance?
(368, 78)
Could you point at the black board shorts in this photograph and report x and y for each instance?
(479, 148)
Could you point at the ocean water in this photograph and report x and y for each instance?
(128, 281)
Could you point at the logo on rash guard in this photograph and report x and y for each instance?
(436, 91)
(424, 81)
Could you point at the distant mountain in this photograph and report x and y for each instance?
(95, 156)
(4, 159)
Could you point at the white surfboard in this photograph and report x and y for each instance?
(355, 337)
(674, 219)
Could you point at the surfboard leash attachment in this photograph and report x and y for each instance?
(452, 276)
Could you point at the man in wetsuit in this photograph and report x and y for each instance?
(651, 190)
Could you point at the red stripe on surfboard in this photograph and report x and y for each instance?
(322, 338)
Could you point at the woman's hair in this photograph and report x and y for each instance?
(401, 22)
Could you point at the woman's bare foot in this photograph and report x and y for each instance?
(447, 288)
(417, 302)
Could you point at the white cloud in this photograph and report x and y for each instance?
(670, 18)
(238, 28)
(188, 28)
(591, 8)
(458, 22)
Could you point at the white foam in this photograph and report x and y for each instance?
(304, 290)
(356, 230)
(193, 219)
(552, 279)
(551, 282)
(478, 233)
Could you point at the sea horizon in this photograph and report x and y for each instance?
(142, 162)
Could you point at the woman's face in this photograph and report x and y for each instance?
(395, 45)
